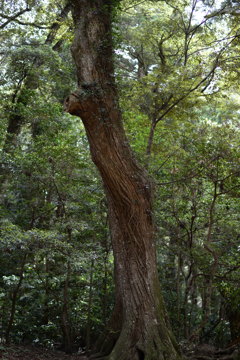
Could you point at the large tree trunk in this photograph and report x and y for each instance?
(139, 325)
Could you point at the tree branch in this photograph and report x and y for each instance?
(56, 25)
(209, 75)
(12, 18)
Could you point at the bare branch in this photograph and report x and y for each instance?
(12, 18)
(235, 10)
(39, 26)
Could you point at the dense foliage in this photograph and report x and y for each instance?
(177, 70)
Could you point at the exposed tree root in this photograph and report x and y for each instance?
(141, 343)
(208, 352)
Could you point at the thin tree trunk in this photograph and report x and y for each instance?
(66, 328)
(105, 289)
(233, 315)
(208, 287)
(3, 314)
(14, 301)
(179, 291)
(106, 246)
(186, 308)
(89, 310)
(150, 137)
(208, 280)
(140, 325)
(45, 317)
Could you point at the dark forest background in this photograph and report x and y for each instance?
(178, 74)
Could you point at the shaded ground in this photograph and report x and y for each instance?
(208, 352)
(201, 352)
(14, 352)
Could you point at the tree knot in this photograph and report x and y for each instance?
(81, 100)
(72, 104)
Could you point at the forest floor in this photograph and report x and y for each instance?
(18, 352)
(209, 352)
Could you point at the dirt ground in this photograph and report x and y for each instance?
(201, 352)
(14, 352)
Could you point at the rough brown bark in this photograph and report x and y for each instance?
(139, 328)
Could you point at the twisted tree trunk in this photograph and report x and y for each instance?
(139, 327)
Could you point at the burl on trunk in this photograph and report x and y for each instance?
(138, 328)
